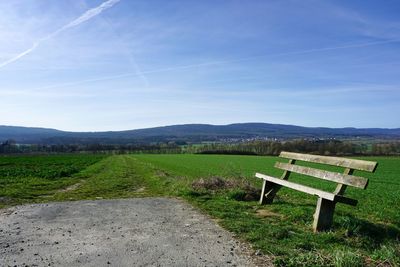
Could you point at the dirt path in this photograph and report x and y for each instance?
(130, 232)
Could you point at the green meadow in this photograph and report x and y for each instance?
(365, 235)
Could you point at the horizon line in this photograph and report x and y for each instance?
(204, 124)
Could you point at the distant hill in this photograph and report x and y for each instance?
(189, 133)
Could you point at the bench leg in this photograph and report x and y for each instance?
(323, 217)
(268, 192)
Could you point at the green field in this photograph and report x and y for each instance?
(27, 178)
(364, 235)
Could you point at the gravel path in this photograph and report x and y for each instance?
(130, 232)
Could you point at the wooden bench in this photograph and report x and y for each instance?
(323, 216)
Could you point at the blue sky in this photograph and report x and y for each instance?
(113, 65)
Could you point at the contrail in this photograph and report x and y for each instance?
(87, 15)
(81, 19)
(338, 47)
(19, 55)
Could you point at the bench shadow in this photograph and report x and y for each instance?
(280, 202)
(386, 183)
(375, 232)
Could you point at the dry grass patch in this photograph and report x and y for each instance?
(263, 213)
(242, 189)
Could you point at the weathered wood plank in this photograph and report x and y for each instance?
(269, 189)
(286, 173)
(308, 190)
(266, 188)
(340, 188)
(323, 216)
(352, 180)
(270, 192)
(298, 187)
(356, 164)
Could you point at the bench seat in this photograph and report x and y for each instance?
(309, 190)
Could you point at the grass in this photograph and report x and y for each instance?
(27, 178)
(364, 235)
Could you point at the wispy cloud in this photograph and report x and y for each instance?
(89, 14)
(364, 25)
(142, 74)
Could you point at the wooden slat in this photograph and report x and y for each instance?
(340, 188)
(308, 190)
(352, 180)
(298, 187)
(323, 216)
(356, 164)
(286, 174)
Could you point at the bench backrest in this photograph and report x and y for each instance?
(343, 179)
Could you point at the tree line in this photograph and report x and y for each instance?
(11, 147)
(320, 147)
(259, 147)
